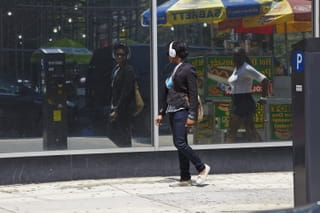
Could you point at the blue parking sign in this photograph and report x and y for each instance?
(298, 61)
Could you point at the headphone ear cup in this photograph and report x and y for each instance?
(172, 52)
(113, 55)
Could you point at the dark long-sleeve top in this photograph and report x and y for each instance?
(184, 83)
(122, 90)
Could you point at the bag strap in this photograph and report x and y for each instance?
(175, 70)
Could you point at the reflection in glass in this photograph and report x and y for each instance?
(210, 50)
(85, 32)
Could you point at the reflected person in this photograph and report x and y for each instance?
(122, 97)
(243, 105)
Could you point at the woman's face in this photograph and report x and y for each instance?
(121, 56)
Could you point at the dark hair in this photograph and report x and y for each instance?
(121, 45)
(181, 48)
(240, 56)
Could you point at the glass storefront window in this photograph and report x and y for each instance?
(85, 31)
(210, 51)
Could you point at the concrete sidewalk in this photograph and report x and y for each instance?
(245, 192)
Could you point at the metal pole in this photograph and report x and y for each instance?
(1, 41)
(154, 71)
(315, 18)
(286, 44)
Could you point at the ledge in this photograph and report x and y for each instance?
(49, 166)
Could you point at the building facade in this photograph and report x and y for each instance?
(86, 30)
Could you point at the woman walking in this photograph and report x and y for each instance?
(181, 103)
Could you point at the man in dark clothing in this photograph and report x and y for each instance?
(98, 90)
(122, 97)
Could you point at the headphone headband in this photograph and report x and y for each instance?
(172, 52)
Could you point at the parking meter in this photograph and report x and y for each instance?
(53, 83)
(306, 114)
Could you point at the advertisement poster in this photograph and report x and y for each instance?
(203, 132)
(259, 116)
(199, 64)
(219, 69)
(222, 114)
(281, 121)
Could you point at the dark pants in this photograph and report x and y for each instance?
(120, 131)
(185, 152)
(242, 114)
(243, 105)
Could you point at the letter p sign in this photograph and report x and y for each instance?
(298, 61)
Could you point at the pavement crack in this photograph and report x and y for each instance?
(7, 210)
(149, 198)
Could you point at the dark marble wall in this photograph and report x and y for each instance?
(71, 166)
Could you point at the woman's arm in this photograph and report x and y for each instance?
(163, 103)
(192, 92)
(265, 84)
(256, 75)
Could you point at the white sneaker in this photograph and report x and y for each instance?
(201, 178)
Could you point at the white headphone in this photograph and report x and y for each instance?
(172, 52)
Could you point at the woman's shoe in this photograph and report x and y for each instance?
(181, 183)
(201, 178)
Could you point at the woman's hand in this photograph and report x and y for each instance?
(262, 100)
(189, 123)
(113, 116)
(265, 84)
(158, 120)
